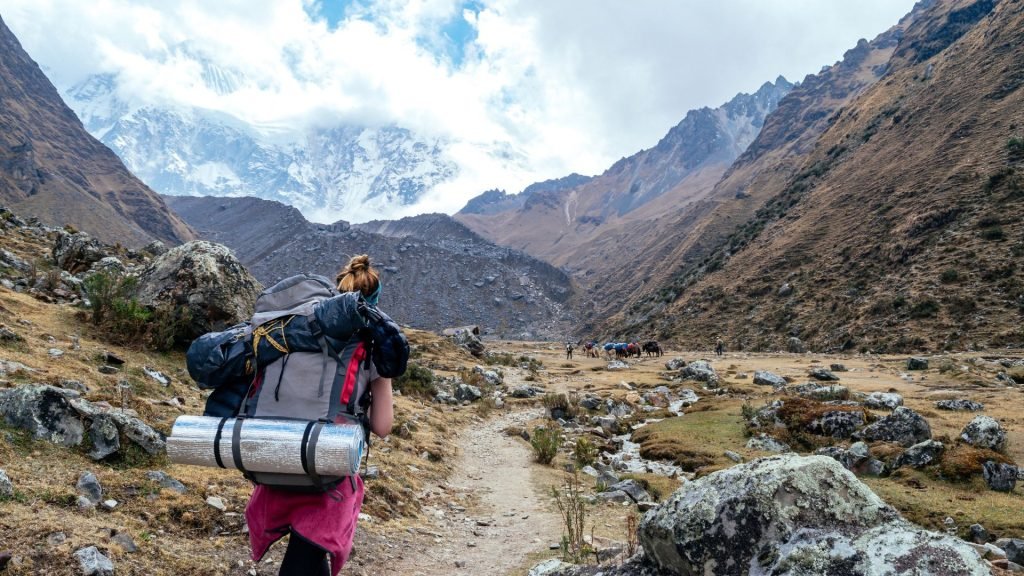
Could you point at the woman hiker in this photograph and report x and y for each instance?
(320, 526)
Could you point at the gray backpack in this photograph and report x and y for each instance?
(329, 385)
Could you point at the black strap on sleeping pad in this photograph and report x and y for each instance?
(304, 444)
(236, 445)
(310, 451)
(216, 442)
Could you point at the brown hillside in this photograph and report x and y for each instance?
(902, 228)
(686, 237)
(51, 168)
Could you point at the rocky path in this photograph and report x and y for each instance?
(497, 514)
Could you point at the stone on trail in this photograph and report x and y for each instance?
(793, 515)
(984, 432)
(823, 374)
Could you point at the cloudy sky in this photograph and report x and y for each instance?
(562, 85)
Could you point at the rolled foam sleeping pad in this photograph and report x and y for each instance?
(267, 445)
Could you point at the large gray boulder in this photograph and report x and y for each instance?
(984, 432)
(903, 426)
(77, 252)
(883, 401)
(62, 417)
(793, 515)
(700, 371)
(468, 338)
(766, 378)
(920, 455)
(999, 476)
(44, 411)
(960, 404)
(837, 423)
(204, 277)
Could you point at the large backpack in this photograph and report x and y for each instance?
(327, 385)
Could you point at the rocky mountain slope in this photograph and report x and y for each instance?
(321, 170)
(598, 225)
(436, 272)
(901, 227)
(51, 168)
(789, 133)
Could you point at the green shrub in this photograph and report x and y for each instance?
(545, 444)
(949, 275)
(585, 452)
(927, 308)
(417, 381)
(993, 234)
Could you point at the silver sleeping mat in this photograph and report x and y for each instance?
(266, 445)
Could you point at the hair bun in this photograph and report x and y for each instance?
(359, 263)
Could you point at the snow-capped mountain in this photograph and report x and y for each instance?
(329, 173)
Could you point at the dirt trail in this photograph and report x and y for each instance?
(495, 515)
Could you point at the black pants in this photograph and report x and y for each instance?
(303, 558)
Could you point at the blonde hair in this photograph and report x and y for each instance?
(358, 276)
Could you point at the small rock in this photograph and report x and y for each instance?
(160, 377)
(56, 538)
(978, 534)
(107, 369)
(216, 502)
(617, 365)
(920, 455)
(165, 481)
(883, 401)
(613, 496)
(1014, 548)
(733, 456)
(89, 486)
(823, 374)
(766, 443)
(6, 488)
(837, 368)
(917, 363)
(93, 563)
(109, 504)
(55, 352)
(675, 364)
(125, 542)
(112, 359)
(960, 404)
(765, 378)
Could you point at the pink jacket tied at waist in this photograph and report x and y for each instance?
(325, 519)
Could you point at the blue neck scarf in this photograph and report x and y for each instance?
(373, 298)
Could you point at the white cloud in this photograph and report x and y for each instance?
(566, 86)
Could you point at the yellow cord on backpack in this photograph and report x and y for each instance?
(267, 331)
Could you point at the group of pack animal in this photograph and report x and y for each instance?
(618, 349)
(297, 360)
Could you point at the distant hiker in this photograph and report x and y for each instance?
(568, 350)
(719, 347)
(321, 525)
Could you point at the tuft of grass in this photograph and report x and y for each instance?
(962, 462)
(694, 441)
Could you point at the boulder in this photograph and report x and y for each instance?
(675, 364)
(105, 437)
(617, 365)
(823, 374)
(467, 393)
(917, 363)
(984, 432)
(978, 534)
(765, 378)
(523, 392)
(467, 337)
(155, 248)
(793, 515)
(960, 404)
(920, 455)
(766, 443)
(44, 411)
(205, 278)
(795, 346)
(93, 563)
(837, 423)
(76, 252)
(700, 371)
(633, 489)
(999, 477)
(89, 486)
(6, 488)
(903, 426)
(1014, 548)
(883, 401)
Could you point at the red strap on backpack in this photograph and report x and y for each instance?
(358, 355)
